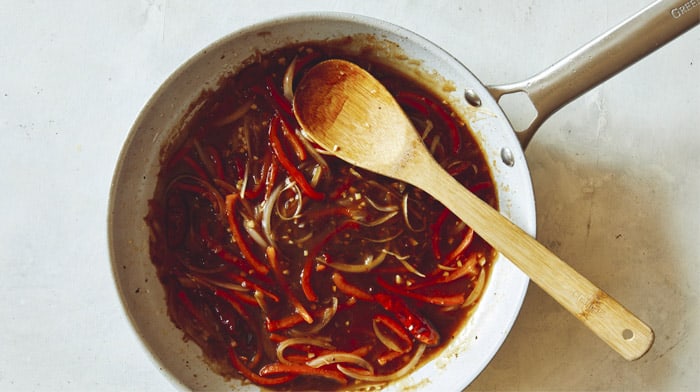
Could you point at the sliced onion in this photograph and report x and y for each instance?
(387, 208)
(387, 377)
(404, 208)
(428, 128)
(246, 171)
(235, 115)
(404, 260)
(386, 340)
(340, 357)
(208, 165)
(220, 205)
(266, 220)
(297, 192)
(370, 263)
(313, 152)
(384, 240)
(379, 220)
(254, 234)
(218, 283)
(317, 341)
(326, 318)
(478, 289)
(288, 80)
(434, 144)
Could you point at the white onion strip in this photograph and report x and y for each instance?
(386, 340)
(404, 208)
(246, 171)
(370, 263)
(326, 318)
(383, 219)
(288, 80)
(478, 289)
(404, 260)
(318, 342)
(386, 377)
(340, 357)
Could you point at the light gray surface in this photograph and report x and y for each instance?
(615, 176)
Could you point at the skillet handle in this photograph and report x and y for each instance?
(601, 59)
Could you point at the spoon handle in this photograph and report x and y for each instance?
(607, 318)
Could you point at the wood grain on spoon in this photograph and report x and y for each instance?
(348, 112)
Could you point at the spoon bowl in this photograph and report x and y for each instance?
(345, 110)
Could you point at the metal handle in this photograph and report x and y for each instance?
(602, 58)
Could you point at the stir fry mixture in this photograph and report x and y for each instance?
(295, 270)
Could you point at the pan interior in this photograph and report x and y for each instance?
(136, 174)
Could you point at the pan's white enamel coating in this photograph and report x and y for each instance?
(135, 179)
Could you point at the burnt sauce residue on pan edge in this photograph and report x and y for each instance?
(294, 270)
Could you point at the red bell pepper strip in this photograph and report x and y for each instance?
(435, 235)
(288, 165)
(306, 285)
(187, 303)
(407, 96)
(397, 329)
(435, 299)
(237, 236)
(218, 249)
(201, 173)
(303, 370)
(277, 97)
(419, 327)
(255, 377)
(349, 289)
(276, 269)
(297, 145)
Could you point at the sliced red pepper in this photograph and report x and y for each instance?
(260, 185)
(350, 289)
(287, 164)
(271, 177)
(179, 155)
(189, 305)
(237, 236)
(277, 97)
(218, 249)
(297, 145)
(201, 173)
(303, 61)
(432, 298)
(414, 103)
(283, 323)
(440, 111)
(234, 302)
(291, 297)
(248, 282)
(198, 190)
(478, 187)
(418, 326)
(435, 235)
(461, 247)
(303, 370)
(388, 356)
(397, 329)
(255, 377)
(240, 309)
(306, 285)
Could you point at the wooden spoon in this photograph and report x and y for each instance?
(347, 111)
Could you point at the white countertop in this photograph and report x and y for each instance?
(615, 173)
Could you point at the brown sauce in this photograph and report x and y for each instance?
(261, 240)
